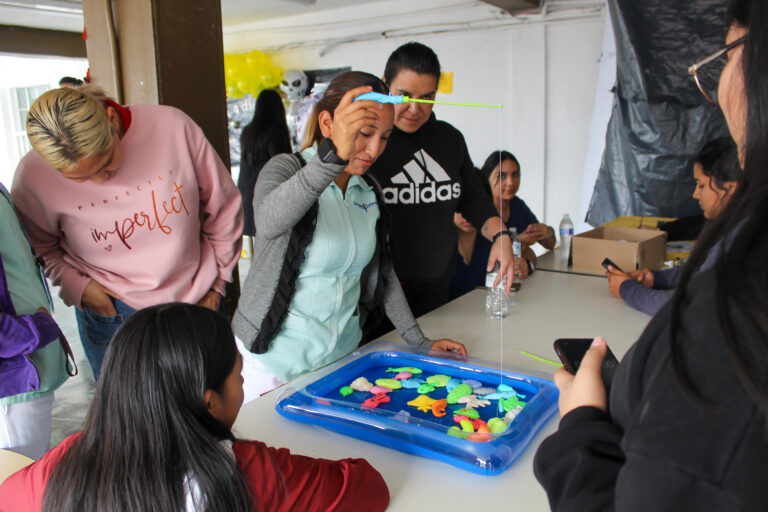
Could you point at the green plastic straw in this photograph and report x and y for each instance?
(406, 99)
(539, 358)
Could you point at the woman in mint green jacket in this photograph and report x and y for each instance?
(321, 262)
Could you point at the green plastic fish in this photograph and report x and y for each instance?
(425, 388)
(389, 383)
(458, 392)
(439, 381)
(414, 371)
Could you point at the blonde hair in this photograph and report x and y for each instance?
(65, 125)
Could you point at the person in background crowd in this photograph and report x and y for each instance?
(128, 206)
(716, 172)
(69, 81)
(158, 436)
(427, 175)
(264, 137)
(321, 258)
(502, 171)
(33, 363)
(686, 426)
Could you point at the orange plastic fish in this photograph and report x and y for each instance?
(438, 408)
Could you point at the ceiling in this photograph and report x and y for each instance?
(68, 15)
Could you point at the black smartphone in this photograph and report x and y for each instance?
(607, 262)
(571, 351)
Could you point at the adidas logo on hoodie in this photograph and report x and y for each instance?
(422, 180)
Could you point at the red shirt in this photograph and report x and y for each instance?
(280, 481)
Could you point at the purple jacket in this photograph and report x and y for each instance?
(20, 335)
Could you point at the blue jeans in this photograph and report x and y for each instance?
(96, 332)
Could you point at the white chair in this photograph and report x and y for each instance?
(11, 462)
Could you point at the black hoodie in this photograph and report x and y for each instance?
(426, 176)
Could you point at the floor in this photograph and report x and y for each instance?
(74, 397)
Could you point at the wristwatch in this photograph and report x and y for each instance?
(531, 268)
(327, 153)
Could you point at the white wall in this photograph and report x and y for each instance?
(543, 71)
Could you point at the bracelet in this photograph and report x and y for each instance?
(500, 233)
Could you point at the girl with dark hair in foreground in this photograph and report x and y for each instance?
(686, 428)
(158, 435)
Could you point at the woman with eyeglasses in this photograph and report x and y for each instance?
(687, 426)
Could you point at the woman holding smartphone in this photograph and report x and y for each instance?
(686, 426)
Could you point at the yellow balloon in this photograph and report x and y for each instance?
(270, 76)
(256, 59)
(234, 92)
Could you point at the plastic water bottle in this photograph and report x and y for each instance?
(517, 252)
(566, 233)
(495, 297)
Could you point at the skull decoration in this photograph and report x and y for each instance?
(294, 84)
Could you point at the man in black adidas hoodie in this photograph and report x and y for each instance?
(426, 175)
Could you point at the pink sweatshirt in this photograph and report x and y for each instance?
(166, 227)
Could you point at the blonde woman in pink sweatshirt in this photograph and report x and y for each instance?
(127, 206)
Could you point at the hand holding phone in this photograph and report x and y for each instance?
(571, 351)
(608, 263)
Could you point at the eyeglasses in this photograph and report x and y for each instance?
(707, 71)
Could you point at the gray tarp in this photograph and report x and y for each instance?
(660, 120)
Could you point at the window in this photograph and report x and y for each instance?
(24, 97)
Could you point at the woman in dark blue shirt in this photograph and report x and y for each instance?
(502, 170)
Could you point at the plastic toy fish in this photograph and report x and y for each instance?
(389, 383)
(483, 391)
(497, 425)
(439, 381)
(412, 383)
(425, 389)
(472, 383)
(500, 396)
(346, 390)
(451, 384)
(386, 98)
(380, 389)
(361, 384)
(458, 392)
(513, 403)
(403, 375)
(374, 401)
(438, 408)
(422, 403)
(472, 402)
(414, 371)
(469, 413)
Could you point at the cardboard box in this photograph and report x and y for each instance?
(630, 249)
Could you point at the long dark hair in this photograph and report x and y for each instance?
(269, 117)
(148, 427)
(496, 159)
(740, 272)
(332, 97)
(720, 162)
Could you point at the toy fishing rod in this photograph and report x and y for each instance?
(386, 98)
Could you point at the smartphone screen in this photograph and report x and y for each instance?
(571, 351)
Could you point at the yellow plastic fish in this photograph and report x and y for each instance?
(422, 403)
